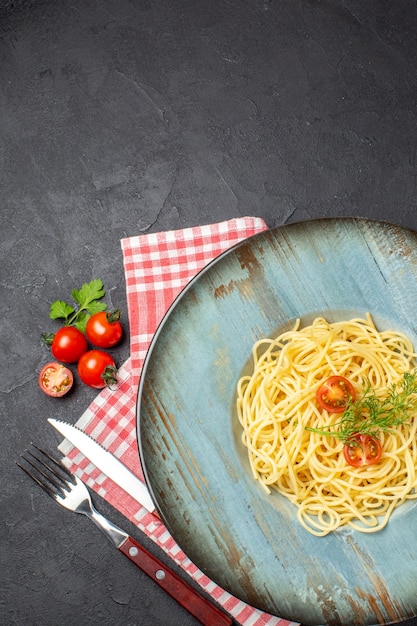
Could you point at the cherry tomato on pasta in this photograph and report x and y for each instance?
(335, 393)
(97, 369)
(104, 329)
(362, 449)
(68, 344)
(55, 379)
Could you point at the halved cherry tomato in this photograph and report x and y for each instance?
(361, 450)
(55, 379)
(97, 369)
(104, 329)
(335, 393)
(68, 344)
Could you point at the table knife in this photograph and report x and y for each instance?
(194, 602)
(106, 462)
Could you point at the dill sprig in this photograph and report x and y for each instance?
(369, 415)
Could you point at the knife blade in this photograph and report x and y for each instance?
(106, 462)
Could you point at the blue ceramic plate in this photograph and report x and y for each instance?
(246, 541)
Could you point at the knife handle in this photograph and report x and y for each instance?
(182, 592)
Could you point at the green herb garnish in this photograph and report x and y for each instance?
(88, 301)
(370, 415)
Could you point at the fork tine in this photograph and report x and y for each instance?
(57, 463)
(46, 471)
(44, 485)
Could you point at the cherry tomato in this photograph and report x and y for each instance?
(335, 393)
(104, 329)
(361, 450)
(55, 379)
(68, 344)
(97, 369)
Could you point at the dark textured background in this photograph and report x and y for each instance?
(119, 117)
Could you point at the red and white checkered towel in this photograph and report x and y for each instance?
(157, 267)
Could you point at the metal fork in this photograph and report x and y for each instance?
(69, 491)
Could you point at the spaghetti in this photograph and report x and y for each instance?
(283, 423)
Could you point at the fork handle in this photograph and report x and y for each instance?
(182, 592)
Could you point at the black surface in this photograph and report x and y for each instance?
(121, 117)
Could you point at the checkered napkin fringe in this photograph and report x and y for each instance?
(157, 267)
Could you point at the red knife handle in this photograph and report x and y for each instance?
(182, 592)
